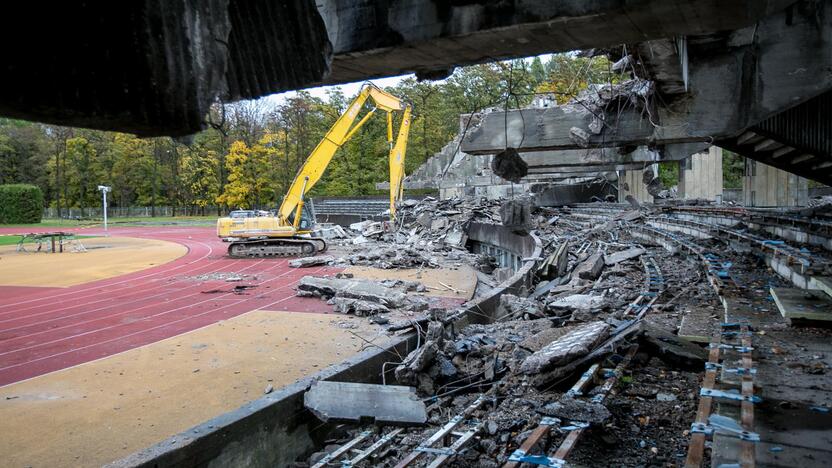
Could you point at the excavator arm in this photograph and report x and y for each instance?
(343, 129)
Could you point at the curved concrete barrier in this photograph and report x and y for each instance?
(276, 429)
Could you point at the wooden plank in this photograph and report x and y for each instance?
(530, 442)
(341, 450)
(585, 379)
(696, 448)
(443, 432)
(572, 439)
(747, 457)
(460, 442)
(373, 448)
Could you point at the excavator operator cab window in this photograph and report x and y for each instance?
(307, 218)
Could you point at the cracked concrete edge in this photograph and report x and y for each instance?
(276, 429)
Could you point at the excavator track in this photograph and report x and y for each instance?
(272, 247)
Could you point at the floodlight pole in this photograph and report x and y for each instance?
(104, 189)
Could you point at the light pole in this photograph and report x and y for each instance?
(104, 189)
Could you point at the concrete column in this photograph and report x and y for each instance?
(700, 175)
(765, 186)
(631, 183)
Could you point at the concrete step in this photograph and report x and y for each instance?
(822, 283)
(803, 304)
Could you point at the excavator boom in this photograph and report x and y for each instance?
(317, 162)
(282, 234)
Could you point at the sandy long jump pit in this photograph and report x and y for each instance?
(105, 257)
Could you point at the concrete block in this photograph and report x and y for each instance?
(590, 268)
(619, 257)
(516, 214)
(578, 302)
(803, 304)
(357, 307)
(351, 288)
(571, 409)
(356, 402)
(306, 262)
(578, 342)
(672, 348)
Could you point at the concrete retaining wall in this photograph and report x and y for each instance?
(276, 429)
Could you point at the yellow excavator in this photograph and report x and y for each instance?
(288, 232)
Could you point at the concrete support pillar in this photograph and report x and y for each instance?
(764, 186)
(700, 175)
(632, 183)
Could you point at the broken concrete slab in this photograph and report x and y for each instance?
(417, 361)
(578, 342)
(698, 325)
(803, 304)
(513, 306)
(631, 215)
(456, 238)
(331, 231)
(439, 224)
(358, 402)
(360, 226)
(541, 339)
(573, 409)
(351, 288)
(590, 268)
(618, 257)
(671, 348)
(372, 229)
(425, 220)
(306, 262)
(357, 307)
(578, 302)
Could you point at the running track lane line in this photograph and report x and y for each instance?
(185, 260)
(7, 379)
(110, 296)
(149, 300)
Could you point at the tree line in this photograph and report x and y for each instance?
(251, 150)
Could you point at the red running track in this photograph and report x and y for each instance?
(47, 329)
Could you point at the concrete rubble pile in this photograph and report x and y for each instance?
(426, 234)
(363, 297)
(567, 321)
(581, 312)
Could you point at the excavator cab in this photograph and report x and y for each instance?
(307, 217)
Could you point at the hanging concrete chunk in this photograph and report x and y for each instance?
(516, 214)
(357, 402)
(619, 257)
(509, 165)
(578, 342)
